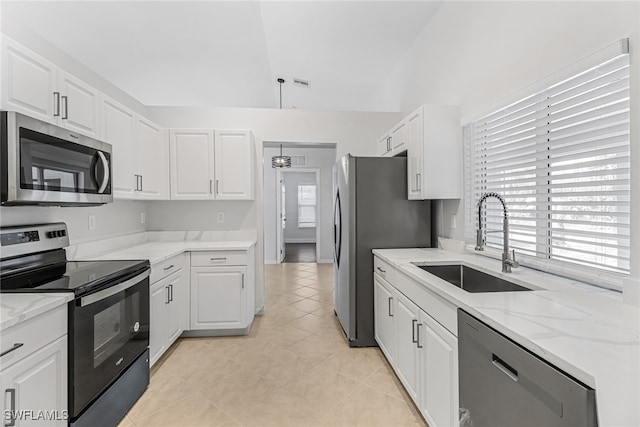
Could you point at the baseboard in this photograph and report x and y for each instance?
(271, 261)
(325, 261)
(300, 240)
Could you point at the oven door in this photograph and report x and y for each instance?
(110, 330)
(50, 165)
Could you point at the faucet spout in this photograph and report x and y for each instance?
(508, 261)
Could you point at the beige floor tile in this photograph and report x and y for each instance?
(307, 305)
(195, 411)
(367, 406)
(310, 323)
(162, 392)
(284, 370)
(306, 292)
(126, 422)
(240, 391)
(353, 363)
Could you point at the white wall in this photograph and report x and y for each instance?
(114, 219)
(322, 158)
(293, 233)
(353, 132)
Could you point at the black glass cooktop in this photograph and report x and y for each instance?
(80, 277)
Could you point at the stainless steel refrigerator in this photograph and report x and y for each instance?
(371, 211)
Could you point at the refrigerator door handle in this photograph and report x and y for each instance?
(337, 229)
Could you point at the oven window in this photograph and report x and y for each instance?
(52, 164)
(110, 330)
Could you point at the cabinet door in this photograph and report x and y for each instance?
(382, 145)
(152, 160)
(191, 158)
(38, 383)
(398, 136)
(218, 298)
(234, 165)
(178, 297)
(28, 82)
(414, 155)
(439, 379)
(406, 328)
(158, 305)
(383, 316)
(79, 105)
(118, 130)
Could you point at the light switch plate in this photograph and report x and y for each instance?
(92, 222)
(143, 217)
(220, 217)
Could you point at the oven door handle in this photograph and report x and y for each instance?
(105, 175)
(105, 293)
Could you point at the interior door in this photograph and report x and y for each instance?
(281, 218)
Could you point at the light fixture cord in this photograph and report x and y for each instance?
(281, 109)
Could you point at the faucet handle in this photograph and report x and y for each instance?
(514, 263)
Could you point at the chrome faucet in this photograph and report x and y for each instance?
(508, 260)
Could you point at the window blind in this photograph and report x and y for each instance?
(560, 158)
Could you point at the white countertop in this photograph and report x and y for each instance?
(17, 308)
(159, 251)
(585, 331)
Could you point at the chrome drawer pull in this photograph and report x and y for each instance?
(14, 348)
(169, 267)
(219, 259)
(383, 271)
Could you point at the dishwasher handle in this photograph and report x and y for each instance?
(504, 367)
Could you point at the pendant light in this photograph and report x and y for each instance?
(280, 80)
(281, 161)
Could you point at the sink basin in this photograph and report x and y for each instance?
(471, 280)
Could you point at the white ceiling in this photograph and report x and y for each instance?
(229, 53)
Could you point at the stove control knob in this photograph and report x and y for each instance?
(51, 234)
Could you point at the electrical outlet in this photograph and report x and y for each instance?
(454, 220)
(92, 222)
(143, 217)
(220, 217)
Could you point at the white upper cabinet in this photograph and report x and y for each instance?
(118, 129)
(152, 160)
(28, 82)
(38, 88)
(191, 158)
(383, 145)
(434, 153)
(398, 141)
(234, 165)
(79, 105)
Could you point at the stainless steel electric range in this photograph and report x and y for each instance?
(108, 318)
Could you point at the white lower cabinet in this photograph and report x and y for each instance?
(169, 298)
(422, 352)
(222, 291)
(384, 321)
(439, 380)
(33, 371)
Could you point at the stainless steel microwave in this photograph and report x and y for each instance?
(44, 164)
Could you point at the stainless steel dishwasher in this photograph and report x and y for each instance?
(503, 384)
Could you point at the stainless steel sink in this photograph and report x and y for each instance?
(471, 280)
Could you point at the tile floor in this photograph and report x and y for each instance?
(300, 252)
(293, 369)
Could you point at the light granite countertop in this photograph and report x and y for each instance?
(583, 330)
(17, 308)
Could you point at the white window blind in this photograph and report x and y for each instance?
(306, 206)
(560, 158)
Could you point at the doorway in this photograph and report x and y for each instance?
(297, 216)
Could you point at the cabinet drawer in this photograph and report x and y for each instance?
(167, 267)
(33, 334)
(212, 258)
(383, 269)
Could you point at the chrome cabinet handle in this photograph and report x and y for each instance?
(418, 181)
(219, 259)
(211, 186)
(169, 267)
(141, 186)
(390, 301)
(105, 176)
(12, 411)
(242, 280)
(65, 104)
(168, 300)
(56, 105)
(381, 270)
(14, 348)
(418, 335)
(413, 331)
(171, 292)
(217, 187)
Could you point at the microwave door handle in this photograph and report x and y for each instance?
(105, 175)
(112, 290)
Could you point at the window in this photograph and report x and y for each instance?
(306, 206)
(560, 158)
